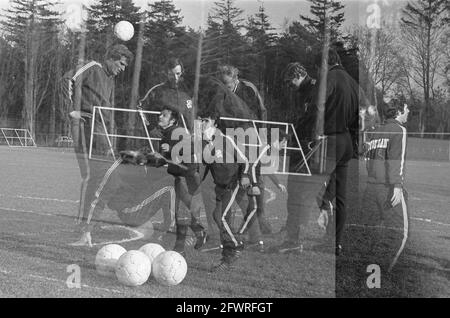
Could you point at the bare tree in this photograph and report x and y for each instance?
(421, 36)
(380, 56)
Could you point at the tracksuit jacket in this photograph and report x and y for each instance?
(386, 153)
(97, 87)
(225, 160)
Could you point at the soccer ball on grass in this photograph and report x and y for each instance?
(152, 250)
(133, 268)
(106, 259)
(169, 268)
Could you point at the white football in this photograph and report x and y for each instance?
(152, 250)
(106, 259)
(169, 268)
(124, 30)
(133, 268)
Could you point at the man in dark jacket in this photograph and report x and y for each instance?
(187, 179)
(341, 114)
(89, 86)
(172, 93)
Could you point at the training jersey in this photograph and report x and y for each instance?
(174, 97)
(97, 88)
(225, 160)
(386, 153)
(250, 95)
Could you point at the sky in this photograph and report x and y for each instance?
(279, 11)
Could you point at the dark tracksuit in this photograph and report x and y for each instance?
(341, 113)
(250, 95)
(89, 86)
(385, 160)
(176, 97)
(258, 179)
(187, 189)
(226, 175)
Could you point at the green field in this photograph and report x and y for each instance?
(39, 196)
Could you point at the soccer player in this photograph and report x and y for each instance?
(385, 198)
(341, 114)
(229, 168)
(91, 85)
(248, 92)
(187, 179)
(172, 93)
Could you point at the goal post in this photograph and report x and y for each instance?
(16, 137)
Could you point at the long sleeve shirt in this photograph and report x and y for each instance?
(386, 154)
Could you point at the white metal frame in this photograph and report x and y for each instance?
(22, 139)
(287, 126)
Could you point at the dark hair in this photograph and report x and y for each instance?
(229, 70)
(210, 113)
(117, 51)
(174, 62)
(333, 58)
(173, 114)
(394, 106)
(293, 70)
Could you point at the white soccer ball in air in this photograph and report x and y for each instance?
(124, 30)
(133, 268)
(152, 250)
(169, 268)
(106, 259)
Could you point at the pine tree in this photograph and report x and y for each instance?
(262, 39)
(223, 42)
(332, 9)
(103, 15)
(163, 33)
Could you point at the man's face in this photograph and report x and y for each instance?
(208, 128)
(174, 74)
(228, 81)
(296, 82)
(118, 66)
(165, 119)
(403, 117)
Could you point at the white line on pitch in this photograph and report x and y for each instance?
(38, 198)
(138, 234)
(26, 211)
(430, 221)
(82, 285)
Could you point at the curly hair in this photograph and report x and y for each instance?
(294, 70)
(117, 51)
(229, 70)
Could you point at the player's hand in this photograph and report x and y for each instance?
(76, 114)
(397, 196)
(165, 147)
(282, 188)
(254, 191)
(245, 182)
(322, 220)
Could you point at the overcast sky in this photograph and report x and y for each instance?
(279, 11)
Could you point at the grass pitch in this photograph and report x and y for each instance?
(39, 199)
